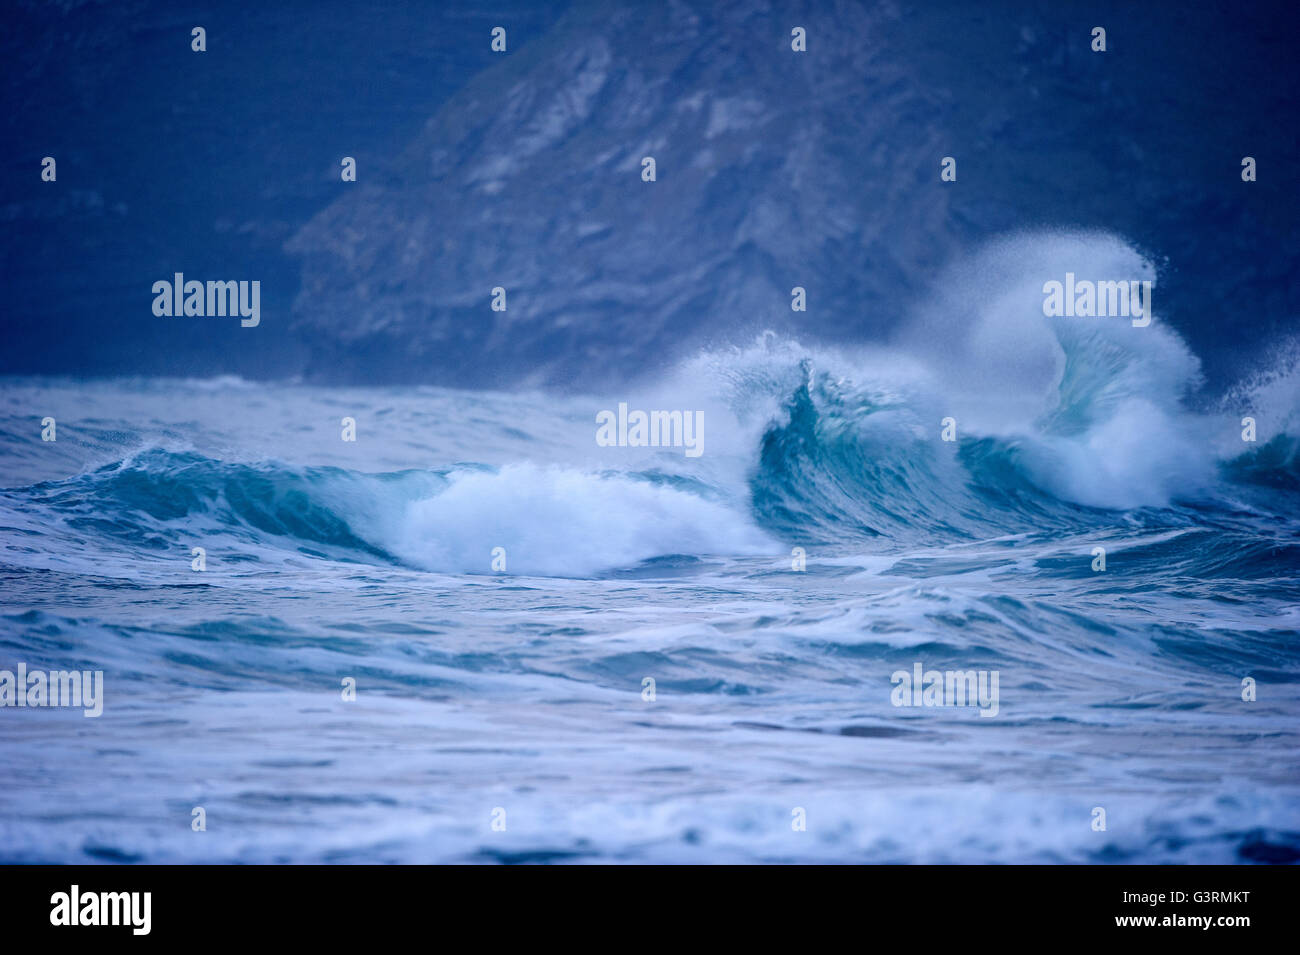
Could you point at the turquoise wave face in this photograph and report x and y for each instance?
(842, 471)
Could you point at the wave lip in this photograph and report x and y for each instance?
(1051, 422)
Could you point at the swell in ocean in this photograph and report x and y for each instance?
(521, 684)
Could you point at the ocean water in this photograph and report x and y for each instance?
(516, 696)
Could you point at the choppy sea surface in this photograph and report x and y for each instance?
(517, 696)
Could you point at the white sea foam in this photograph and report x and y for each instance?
(563, 522)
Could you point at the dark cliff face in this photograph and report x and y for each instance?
(530, 179)
(522, 170)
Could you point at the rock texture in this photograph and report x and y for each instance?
(777, 169)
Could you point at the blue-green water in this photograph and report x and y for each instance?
(479, 690)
